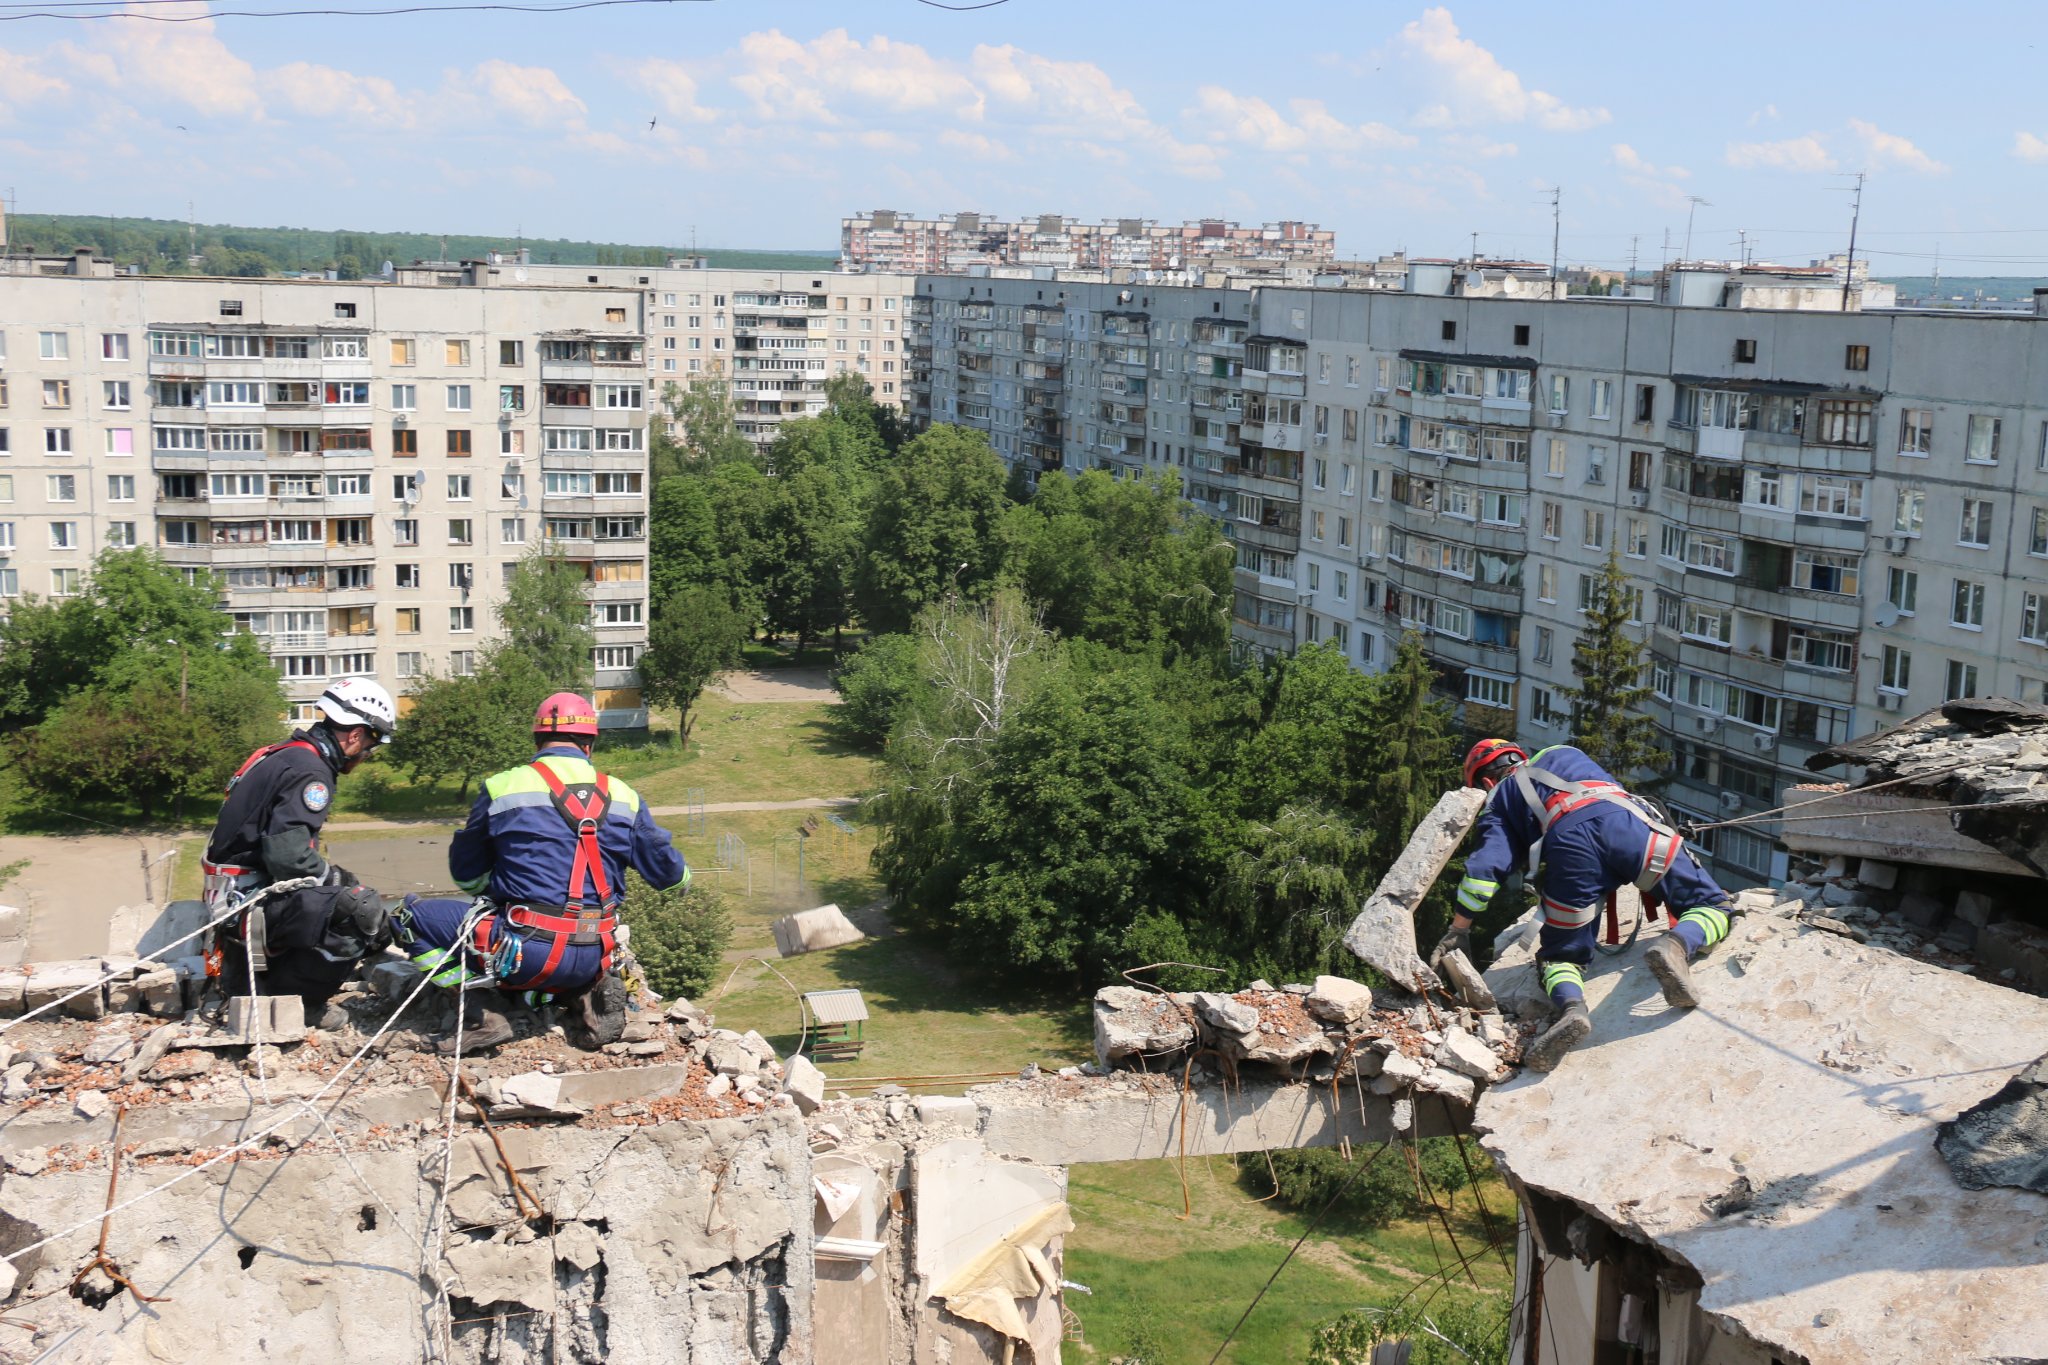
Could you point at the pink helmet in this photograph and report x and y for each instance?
(565, 713)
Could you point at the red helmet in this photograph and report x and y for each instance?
(565, 713)
(1485, 754)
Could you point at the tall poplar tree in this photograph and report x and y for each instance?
(1608, 719)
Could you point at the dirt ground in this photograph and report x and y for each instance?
(782, 684)
(71, 885)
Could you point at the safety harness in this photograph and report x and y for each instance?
(222, 880)
(1565, 796)
(581, 921)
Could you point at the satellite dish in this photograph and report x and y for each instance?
(520, 274)
(1885, 617)
(412, 494)
(522, 502)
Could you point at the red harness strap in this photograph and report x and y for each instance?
(265, 752)
(588, 921)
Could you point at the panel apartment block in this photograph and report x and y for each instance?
(972, 242)
(775, 336)
(362, 464)
(1826, 518)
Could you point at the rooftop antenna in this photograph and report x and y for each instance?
(1632, 262)
(1692, 204)
(1475, 248)
(1855, 216)
(1937, 271)
(1556, 197)
(1742, 245)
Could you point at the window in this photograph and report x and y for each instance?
(404, 351)
(63, 535)
(348, 395)
(1856, 358)
(1554, 462)
(461, 531)
(458, 488)
(64, 582)
(1498, 693)
(615, 613)
(120, 488)
(1831, 495)
(1833, 651)
(56, 393)
(1910, 512)
(511, 353)
(1745, 350)
(1646, 402)
(1916, 431)
(1966, 605)
(462, 662)
(2034, 619)
(1764, 487)
(1711, 552)
(408, 575)
(344, 310)
(512, 530)
(1705, 623)
(458, 352)
(53, 345)
(461, 620)
(113, 345)
(114, 394)
(458, 398)
(1895, 674)
(405, 531)
(1975, 531)
(511, 443)
(1902, 589)
(1596, 464)
(1638, 543)
(405, 443)
(1962, 681)
(1821, 571)
(1982, 444)
(458, 442)
(1553, 521)
(1344, 532)
(511, 398)
(1450, 330)
(1546, 582)
(1844, 422)
(1594, 534)
(64, 487)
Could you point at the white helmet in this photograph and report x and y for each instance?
(359, 701)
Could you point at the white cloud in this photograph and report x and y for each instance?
(2027, 147)
(974, 145)
(530, 95)
(1475, 144)
(1078, 100)
(1807, 153)
(1767, 114)
(1251, 120)
(1883, 149)
(323, 92)
(1477, 88)
(23, 81)
(674, 89)
(789, 80)
(1632, 163)
(181, 64)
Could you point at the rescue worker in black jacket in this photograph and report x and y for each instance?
(303, 942)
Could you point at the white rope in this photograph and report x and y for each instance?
(242, 1146)
(274, 888)
(255, 1014)
(439, 1220)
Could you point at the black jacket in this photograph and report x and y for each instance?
(274, 811)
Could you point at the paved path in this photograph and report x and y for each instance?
(777, 684)
(712, 808)
(71, 887)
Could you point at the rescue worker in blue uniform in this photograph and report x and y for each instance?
(304, 942)
(1565, 813)
(548, 844)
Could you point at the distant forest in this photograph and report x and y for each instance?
(163, 247)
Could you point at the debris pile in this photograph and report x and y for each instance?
(105, 985)
(1334, 1029)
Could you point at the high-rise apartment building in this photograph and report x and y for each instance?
(965, 242)
(775, 336)
(362, 464)
(1827, 518)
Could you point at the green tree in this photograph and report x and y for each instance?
(706, 432)
(813, 529)
(679, 935)
(1415, 760)
(874, 686)
(933, 528)
(466, 727)
(696, 635)
(544, 619)
(684, 547)
(1447, 1329)
(1288, 890)
(1608, 719)
(877, 431)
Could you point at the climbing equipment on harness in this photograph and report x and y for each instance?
(265, 752)
(585, 920)
(1566, 796)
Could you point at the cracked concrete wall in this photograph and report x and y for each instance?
(671, 1242)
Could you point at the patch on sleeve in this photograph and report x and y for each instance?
(316, 796)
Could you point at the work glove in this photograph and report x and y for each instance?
(359, 913)
(337, 875)
(1456, 941)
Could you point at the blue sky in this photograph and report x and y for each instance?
(1400, 125)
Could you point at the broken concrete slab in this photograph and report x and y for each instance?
(1464, 1053)
(1339, 999)
(49, 982)
(804, 1083)
(1132, 1023)
(1383, 934)
(1466, 982)
(2004, 1140)
(811, 931)
(1229, 1015)
(957, 1111)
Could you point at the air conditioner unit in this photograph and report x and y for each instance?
(1639, 497)
(1705, 724)
(1557, 419)
(401, 420)
(1731, 801)
(1895, 544)
(1889, 701)
(1763, 739)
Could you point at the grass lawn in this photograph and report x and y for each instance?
(1187, 1281)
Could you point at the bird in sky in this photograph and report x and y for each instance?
(650, 125)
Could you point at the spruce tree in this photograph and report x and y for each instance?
(1608, 720)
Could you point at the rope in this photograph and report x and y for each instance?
(439, 1220)
(245, 1144)
(275, 888)
(1835, 796)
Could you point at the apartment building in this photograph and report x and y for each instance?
(775, 336)
(362, 464)
(970, 242)
(1828, 518)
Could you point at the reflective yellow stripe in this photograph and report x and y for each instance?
(571, 770)
(1474, 893)
(1557, 973)
(1712, 921)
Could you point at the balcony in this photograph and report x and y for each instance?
(1279, 384)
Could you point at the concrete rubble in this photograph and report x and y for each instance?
(1383, 934)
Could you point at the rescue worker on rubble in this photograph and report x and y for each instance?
(1565, 813)
(304, 942)
(548, 844)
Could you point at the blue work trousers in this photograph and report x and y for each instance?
(1594, 851)
(426, 928)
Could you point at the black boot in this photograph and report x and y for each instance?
(1571, 1029)
(484, 1025)
(1667, 962)
(603, 1010)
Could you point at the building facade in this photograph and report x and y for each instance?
(774, 336)
(362, 464)
(890, 241)
(1825, 518)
